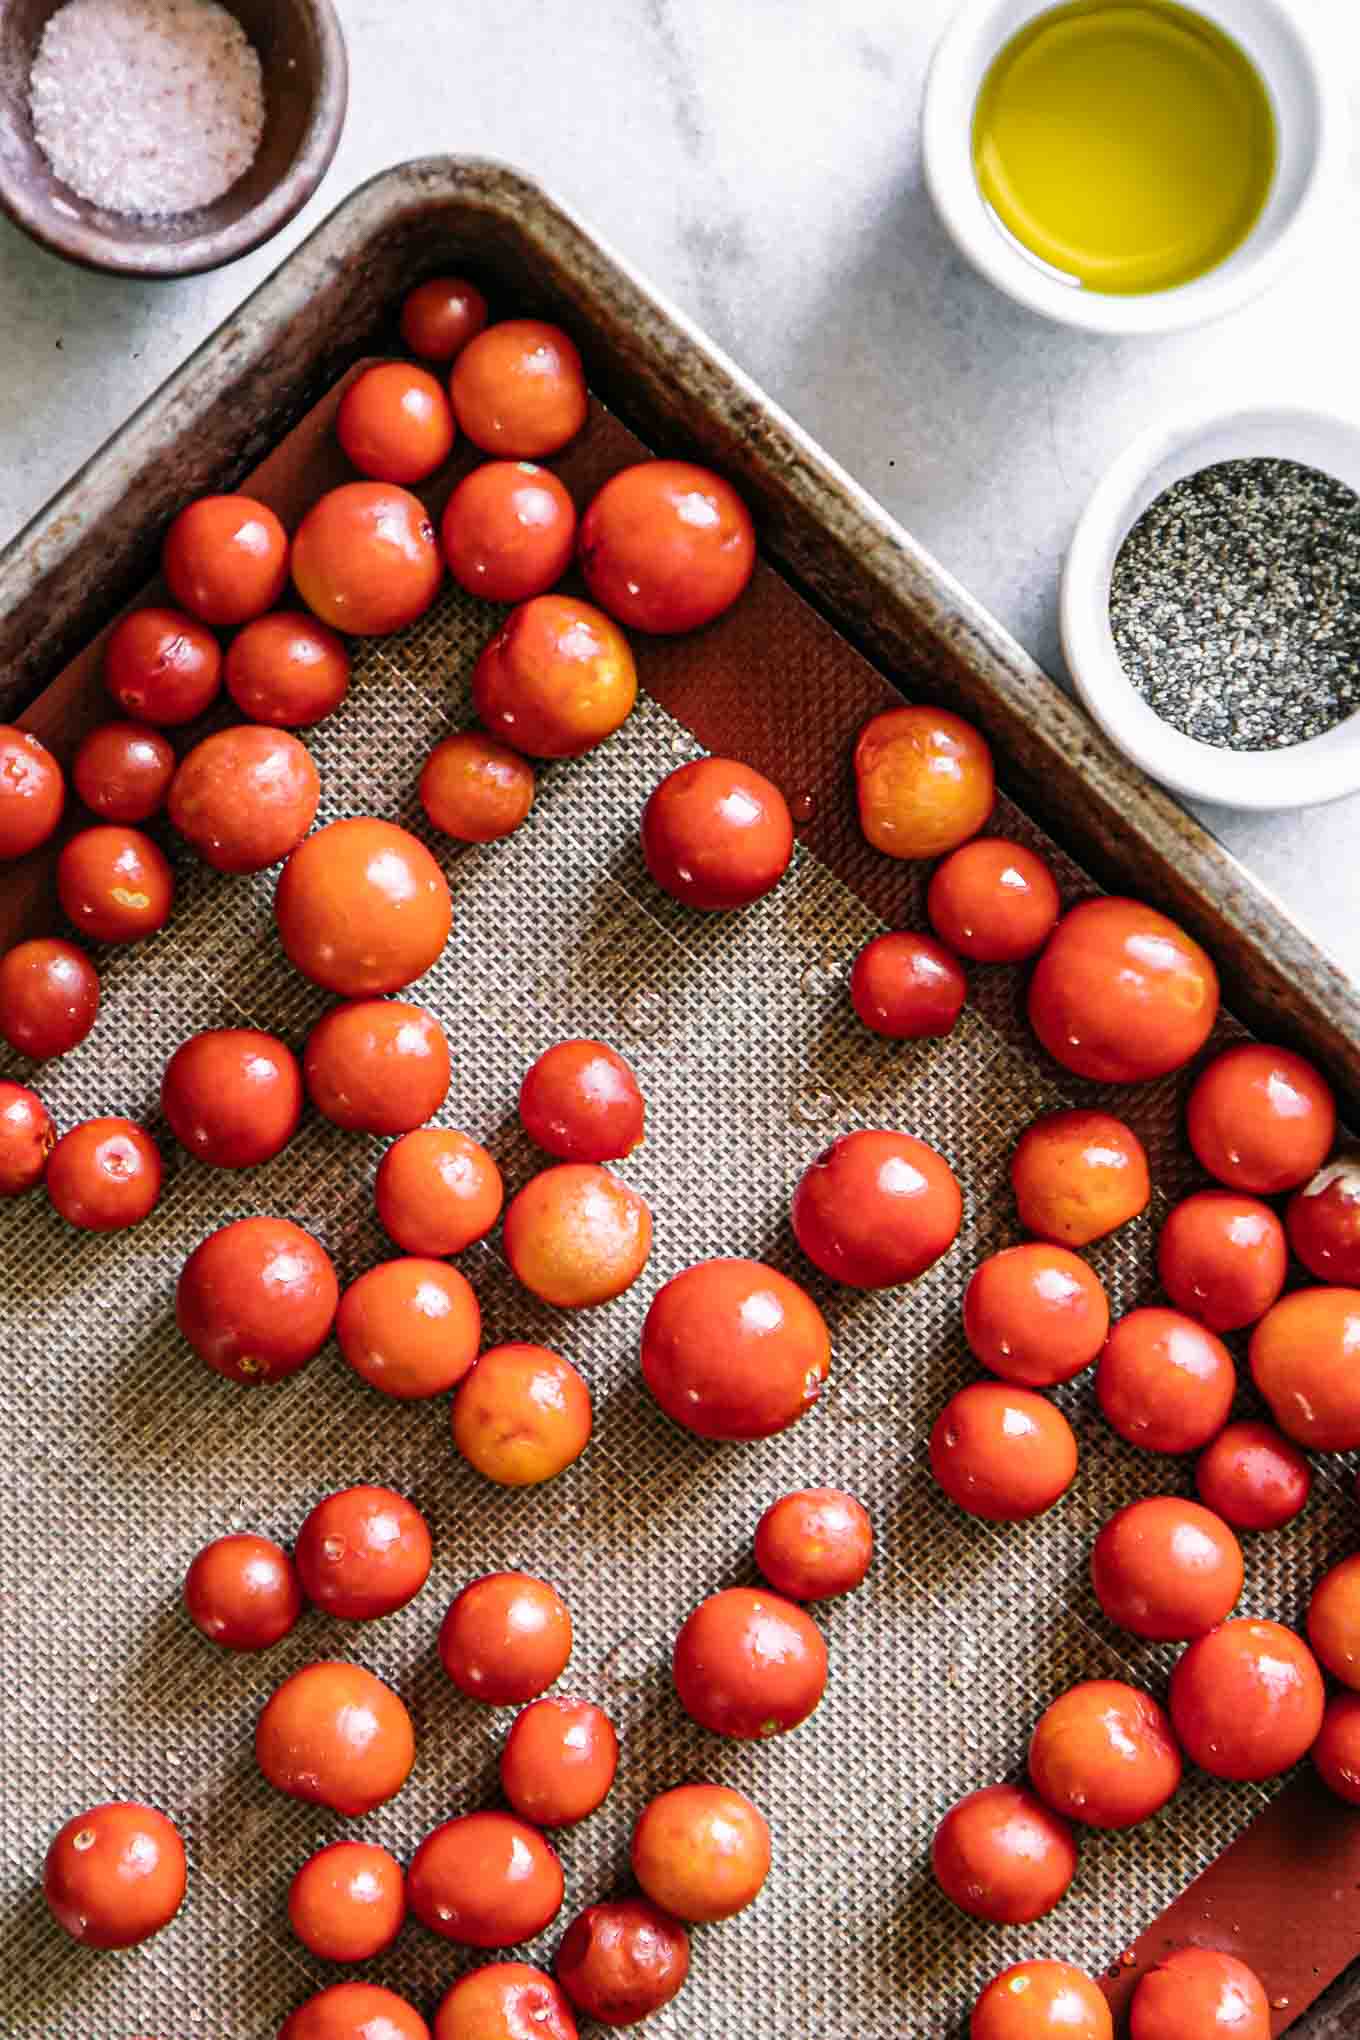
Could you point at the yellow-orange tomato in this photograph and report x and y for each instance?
(508, 531)
(362, 907)
(1036, 1315)
(575, 1235)
(437, 1191)
(1121, 994)
(667, 546)
(438, 318)
(1305, 1360)
(1041, 2001)
(1334, 1621)
(733, 1349)
(1002, 1453)
(519, 389)
(1222, 1258)
(1166, 1569)
(335, 1735)
(1199, 1994)
(924, 779)
(1002, 1855)
(1323, 1221)
(1336, 1753)
(522, 1415)
(556, 679)
(993, 901)
(701, 1852)
(409, 1327)
(476, 789)
(1104, 1754)
(1165, 1382)
(225, 560)
(395, 423)
(1261, 1119)
(287, 669)
(1079, 1175)
(1247, 1700)
(365, 558)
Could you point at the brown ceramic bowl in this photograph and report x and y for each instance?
(302, 53)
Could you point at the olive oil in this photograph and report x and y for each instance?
(1127, 144)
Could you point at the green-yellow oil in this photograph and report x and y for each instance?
(1128, 144)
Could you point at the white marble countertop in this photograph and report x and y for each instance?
(759, 160)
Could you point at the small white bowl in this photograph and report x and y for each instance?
(1292, 48)
(1300, 775)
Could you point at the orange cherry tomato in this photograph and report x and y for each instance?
(505, 2001)
(243, 1593)
(27, 1138)
(1247, 1700)
(437, 1191)
(581, 1101)
(1002, 1855)
(362, 907)
(114, 884)
(716, 834)
(1336, 1753)
(1252, 1477)
(813, 1544)
(335, 1735)
(347, 1902)
(377, 1066)
(734, 1349)
(286, 669)
(1041, 2001)
(556, 679)
(666, 546)
(1035, 1315)
(993, 901)
(1261, 1119)
(485, 1879)
(104, 1174)
(749, 1664)
(508, 531)
(438, 318)
(395, 423)
(622, 1961)
(875, 1209)
(907, 986)
(123, 771)
(1002, 1453)
(575, 1235)
(701, 1852)
(245, 797)
(32, 792)
(256, 1299)
(505, 1638)
(475, 788)
(115, 1875)
(924, 781)
(1305, 1360)
(1199, 1994)
(522, 1415)
(559, 1761)
(1104, 1754)
(225, 559)
(49, 996)
(161, 667)
(1121, 994)
(1164, 1382)
(1334, 1621)
(519, 390)
(1222, 1258)
(1323, 1222)
(232, 1096)
(362, 1553)
(410, 1327)
(1079, 1175)
(355, 2011)
(365, 558)
(1166, 1569)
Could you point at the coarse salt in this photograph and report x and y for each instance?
(147, 106)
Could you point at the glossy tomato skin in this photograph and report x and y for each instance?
(245, 797)
(476, 789)
(362, 907)
(505, 1638)
(1199, 1994)
(410, 1327)
(347, 1902)
(1078, 1175)
(438, 318)
(575, 1235)
(437, 1191)
(377, 1066)
(1164, 1382)
(365, 559)
(162, 667)
(522, 1415)
(1035, 1315)
(1222, 1258)
(1041, 2001)
(1334, 1621)
(1247, 1700)
(104, 1174)
(1166, 1569)
(1305, 1360)
(32, 792)
(701, 1852)
(716, 834)
(1002, 1855)
(508, 531)
(813, 1544)
(505, 2001)
(749, 1664)
(256, 1299)
(287, 670)
(733, 1349)
(559, 1761)
(1253, 1478)
(519, 390)
(363, 1552)
(1336, 1753)
(621, 1961)
(27, 1138)
(336, 1736)
(488, 1880)
(993, 901)
(1121, 994)
(395, 423)
(666, 546)
(1261, 1119)
(581, 1102)
(123, 771)
(225, 559)
(1104, 1754)
(556, 679)
(924, 781)
(907, 986)
(114, 884)
(355, 2011)
(1323, 1222)
(232, 1096)
(875, 1209)
(49, 997)
(115, 1874)
(243, 1593)
(1002, 1453)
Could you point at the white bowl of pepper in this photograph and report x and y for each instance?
(1210, 605)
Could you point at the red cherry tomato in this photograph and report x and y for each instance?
(508, 531)
(1079, 1175)
(32, 792)
(1253, 1477)
(377, 1066)
(410, 1327)
(1167, 1569)
(1002, 1453)
(335, 1735)
(115, 1875)
(876, 1209)
(1041, 2001)
(243, 1593)
(749, 1664)
(256, 1299)
(286, 669)
(1035, 1315)
(716, 834)
(666, 546)
(438, 318)
(365, 559)
(505, 1639)
(123, 771)
(1199, 1994)
(505, 2001)
(347, 1902)
(114, 884)
(161, 667)
(245, 797)
(907, 986)
(814, 1544)
(522, 1415)
(993, 901)
(924, 781)
(1121, 994)
(1002, 1855)
(556, 679)
(395, 423)
(622, 1961)
(1336, 1753)
(437, 1191)
(575, 1235)
(733, 1349)
(362, 907)
(1261, 1119)
(1334, 1621)
(1164, 1382)
(581, 1101)
(232, 1096)
(355, 2011)
(49, 996)
(27, 1138)
(1323, 1222)
(559, 1761)
(362, 1553)
(1247, 1700)
(519, 390)
(1104, 1754)
(1222, 1258)
(225, 560)
(476, 789)
(1305, 1360)
(701, 1852)
(485, 1879)
(104, 1174)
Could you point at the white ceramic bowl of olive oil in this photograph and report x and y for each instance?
(1135, 166)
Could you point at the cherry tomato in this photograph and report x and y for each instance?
(924, 781)
(115, 1875)
(1121, 994)
(347, 1902)
(1336, 1753)
(876, 1209)
(813, 1544)
(907, 986)
(519, 390)
(622, 1961)
(1103, 1754)
(243, 1593)
(485, 1879)
(335, 1735)
(559, 1761)
(1334, 1621)
(575, 1235)
(522, 1415)
(395, 423)
(410, 1327)
(362, 1553)
(362, 907)
(733, 1349)
(225, 560)
(1253, 1478)
(1305, 1360)
(475, 788)
(505, 1638)
(32, 792)
(717, 835)
(1079, 1175)
(1199, 1994)
(1261, 1119)
(1323, 1221)
(161, 667)
(377, 1066)
(114, 884)
(1002, 1453)
(1002, 1855)
(993, 901)
(581, 1101)
(286, 669)
(232, 1096)
(1035, 1315)
(27, 1138)
(365, 559)
(508, 531)
(104, 1174)
(123, 771)
(1222, 1258)
(749, 1664)
(701, 1852)
(438, 318)
(666, 546)
(1164, 1382)
(437, 1191)
(1246, 1700)
(49, 996)
(245, 797)
(256, 1299)
(355, 2011)
(556, 679)
(1166, 1569)
(1041, 2001)
(505, 2001)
